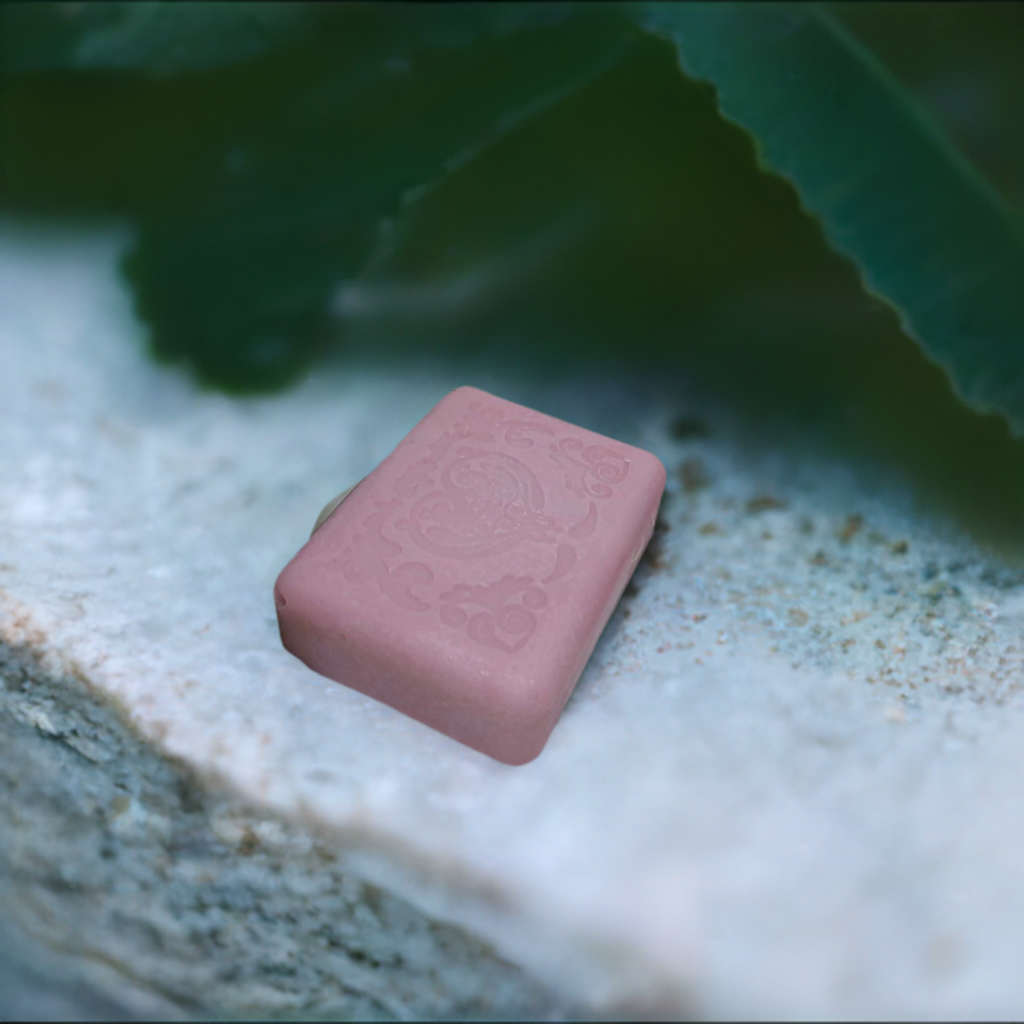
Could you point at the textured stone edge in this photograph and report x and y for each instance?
(133, 880)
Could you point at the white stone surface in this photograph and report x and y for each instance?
(790, 783)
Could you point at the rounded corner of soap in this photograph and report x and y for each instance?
(519, 760)
(288, 587)
(653, 469)
(532, 716)
(660, 472)
(528, 748)
(282, 587)
(465, 391)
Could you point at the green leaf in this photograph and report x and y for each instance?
(962, 62)
(156, 38)
(166, 39)
(609, 221)
(236, 264)
(927, 232)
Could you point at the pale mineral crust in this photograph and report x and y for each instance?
(788, 784)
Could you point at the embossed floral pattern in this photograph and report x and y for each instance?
(504, 618)
(489, 502)
(469, 499)
(590, 470)
(365, 560)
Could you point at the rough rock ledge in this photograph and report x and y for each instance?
(788, 785)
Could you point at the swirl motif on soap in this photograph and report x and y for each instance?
(481, 423)
(364, 560)
(505, 623)
(466, 498)
(489, 503)
(590, 470)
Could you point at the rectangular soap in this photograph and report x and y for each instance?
(466, 580)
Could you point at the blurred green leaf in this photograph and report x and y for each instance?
(538, 186)
(257, 185)
(155, 38)
(235, 272)
(928, 233)
(426, 159)
(963, 64)
(615, 218)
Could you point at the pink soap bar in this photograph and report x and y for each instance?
(466, 580)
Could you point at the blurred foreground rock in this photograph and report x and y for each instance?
(789, 783)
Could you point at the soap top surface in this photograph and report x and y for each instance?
(484, 555)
